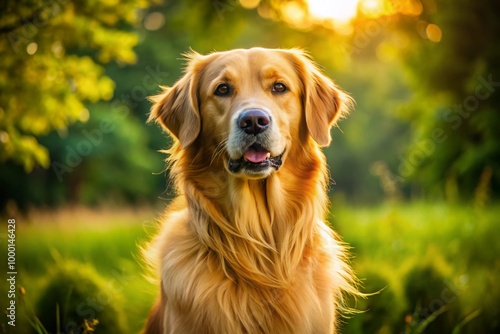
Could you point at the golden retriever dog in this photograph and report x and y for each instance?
(244, 247)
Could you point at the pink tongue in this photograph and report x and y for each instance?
(256, 156)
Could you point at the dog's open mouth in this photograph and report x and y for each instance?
(255, 159)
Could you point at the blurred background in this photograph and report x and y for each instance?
(415, 168)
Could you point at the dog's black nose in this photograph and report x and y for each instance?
(254, 121)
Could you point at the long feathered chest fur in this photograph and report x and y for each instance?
(250, 256)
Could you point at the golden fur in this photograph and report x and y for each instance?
(248, 252)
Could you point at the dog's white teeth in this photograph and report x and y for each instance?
(268, 155)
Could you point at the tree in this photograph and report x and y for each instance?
(453, 57)
(51, 66)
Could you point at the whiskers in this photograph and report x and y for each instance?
(219, 150)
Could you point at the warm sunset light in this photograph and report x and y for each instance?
(341, 11)
(374, 8)
(194, 157)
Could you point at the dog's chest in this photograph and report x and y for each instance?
(209, 301)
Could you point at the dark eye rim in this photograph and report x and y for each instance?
(223, 94)
(284, 90)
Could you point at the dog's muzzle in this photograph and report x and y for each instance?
(256, 158)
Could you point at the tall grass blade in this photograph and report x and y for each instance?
(466, 320)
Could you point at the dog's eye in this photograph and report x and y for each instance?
(223, 90)
(279, 88)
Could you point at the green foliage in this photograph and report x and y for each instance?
(364, 152)
(115, 140)
(49, 70)
(456, 84)
(381, 312)
(430, 290)
(75, 297)
(104, 243)
(103, 161)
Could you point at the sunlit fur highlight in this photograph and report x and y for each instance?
(250, 256)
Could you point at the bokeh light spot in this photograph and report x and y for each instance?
(32, 48)
(154, 21)
(434, 33)
(249, 4)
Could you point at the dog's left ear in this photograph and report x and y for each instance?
(177, 107)
(324, 103)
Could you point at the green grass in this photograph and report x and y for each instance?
(108, 240)
(420, 258)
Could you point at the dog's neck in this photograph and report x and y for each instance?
(262, 229)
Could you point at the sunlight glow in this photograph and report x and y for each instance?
(293, 14)
(372, 8)
(341, 11)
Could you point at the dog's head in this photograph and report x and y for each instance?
(250, 107)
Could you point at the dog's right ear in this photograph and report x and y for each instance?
(177, 107)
